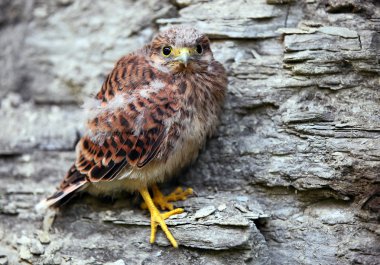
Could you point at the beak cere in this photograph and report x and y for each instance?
(183, 55)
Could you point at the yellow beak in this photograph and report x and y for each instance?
(183, 55)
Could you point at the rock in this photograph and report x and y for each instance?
(222, 207)
(23, 240)
(3, 260)
(339, 31)
(36, 248)
(206, 211)
(331, 215)
(65, 2)
(318, 41)
(25, 253)
(118, 262)
(240, 23)
(56, 260)
(240, 208)
(210, 237)
(37, 128)
(242, 198)
(290, 177)
(43, 237)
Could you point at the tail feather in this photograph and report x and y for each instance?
(73, 181)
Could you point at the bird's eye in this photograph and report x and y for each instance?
(199, 49)
(166, 50)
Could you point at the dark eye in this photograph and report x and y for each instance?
(166, 50)
(199, 49)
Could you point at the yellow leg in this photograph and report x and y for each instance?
(163, 201)
(158, 219)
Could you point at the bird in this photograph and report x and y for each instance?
(150, 119)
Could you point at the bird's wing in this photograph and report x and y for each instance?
(130, 122)
(127, 125)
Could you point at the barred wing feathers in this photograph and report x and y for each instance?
(126, 126)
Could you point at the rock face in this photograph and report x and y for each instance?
(292, 176)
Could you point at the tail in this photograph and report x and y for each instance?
(73, 181)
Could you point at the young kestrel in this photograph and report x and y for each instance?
(148, 121)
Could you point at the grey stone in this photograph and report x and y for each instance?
(3, 260)
(235, 21)
(210, 237)
(292, 169)
(28, 120)
(56, 260)
(318, 41)
(339, 31)
(206, 211)
(25, 253)
(118, 262)
(276, 2)
(36, 247)
(222, 207)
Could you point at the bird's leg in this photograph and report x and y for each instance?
(163, 201)
(158, 218)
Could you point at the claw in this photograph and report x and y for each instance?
(158, 219)
(163, 201)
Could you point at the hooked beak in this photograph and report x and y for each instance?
(183, 55)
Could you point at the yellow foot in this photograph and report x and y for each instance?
(157, 218)
(163, 201)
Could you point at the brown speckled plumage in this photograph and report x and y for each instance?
(150, 118)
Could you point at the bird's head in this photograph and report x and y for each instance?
(181, 49)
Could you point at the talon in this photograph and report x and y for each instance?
(157, 218)
(159, 200)
(173, 212)
(163, 201)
